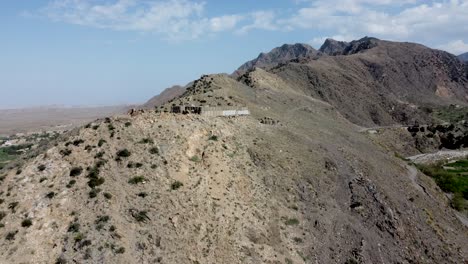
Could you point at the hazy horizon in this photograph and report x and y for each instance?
(120, 52)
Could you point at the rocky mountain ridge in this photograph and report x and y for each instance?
(160, 187)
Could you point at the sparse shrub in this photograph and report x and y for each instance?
(2, 225)
(124, 153)
(127, 124)
(111, 127)
(11, 235)
(71, 183)
(101, 142)
(141, 216)
(458, 202)
(146, 141)
(26, 223)
(214, 138)
(137, 180)
(18, 172)
(88, 125)
(2, 215)
(74, 227)
(176, 185)
(112, 228)
(12, 206)
(77, 142)
(41, 167)
(99, 155)
(154, 166)
(78, 237)
(61, 260)
(142, 194)
(42, 179)
(65, 152)
(100, 163)
(195, 159)
(95, 127)
(101, 221)
(50, 195)
(292, 221)
(120, 250)
(75, 171)
(154, 150)
(94, 192)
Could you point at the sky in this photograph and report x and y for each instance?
(107, 52)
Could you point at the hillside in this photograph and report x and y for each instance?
(464, 57)
(294, 182)
(164, 97)
(380, 82)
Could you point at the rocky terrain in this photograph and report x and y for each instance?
(295, 182)
(281, 54)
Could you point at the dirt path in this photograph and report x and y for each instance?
(438, 156)
(413, 175)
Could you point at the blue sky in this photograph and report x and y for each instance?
(103, 52)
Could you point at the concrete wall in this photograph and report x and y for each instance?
(225, 111)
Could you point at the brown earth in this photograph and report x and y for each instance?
(310, 189)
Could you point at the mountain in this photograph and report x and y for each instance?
(463, 57)
(296, 181)
(332, 47)
(278, 55)
(164, 97)
(380, 82)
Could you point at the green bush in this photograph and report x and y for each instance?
(292, 221)
(127, 124)
(124, 153)
(146, 141)
(11, 235)
(214, 138)
(154, 150)
(65, 152)
(195, 159)
(26, 223)
(107, 195)
(50, 195)
(41, 167)
(101, 142)
(176, 185)
(137, 180)
(74, 227)
(75, 171)
(99, 155)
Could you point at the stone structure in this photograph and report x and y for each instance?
(212, 111)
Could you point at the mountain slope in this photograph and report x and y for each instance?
(332, 47)
(464, 57)
(308, 189)
(278, 55)
(165, 96)
(381, 82)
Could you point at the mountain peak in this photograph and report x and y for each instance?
(281, 54)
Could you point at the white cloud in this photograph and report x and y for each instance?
(415, 20)
(456, 47)
(434, 22)
(174, 19)
(264, 20)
